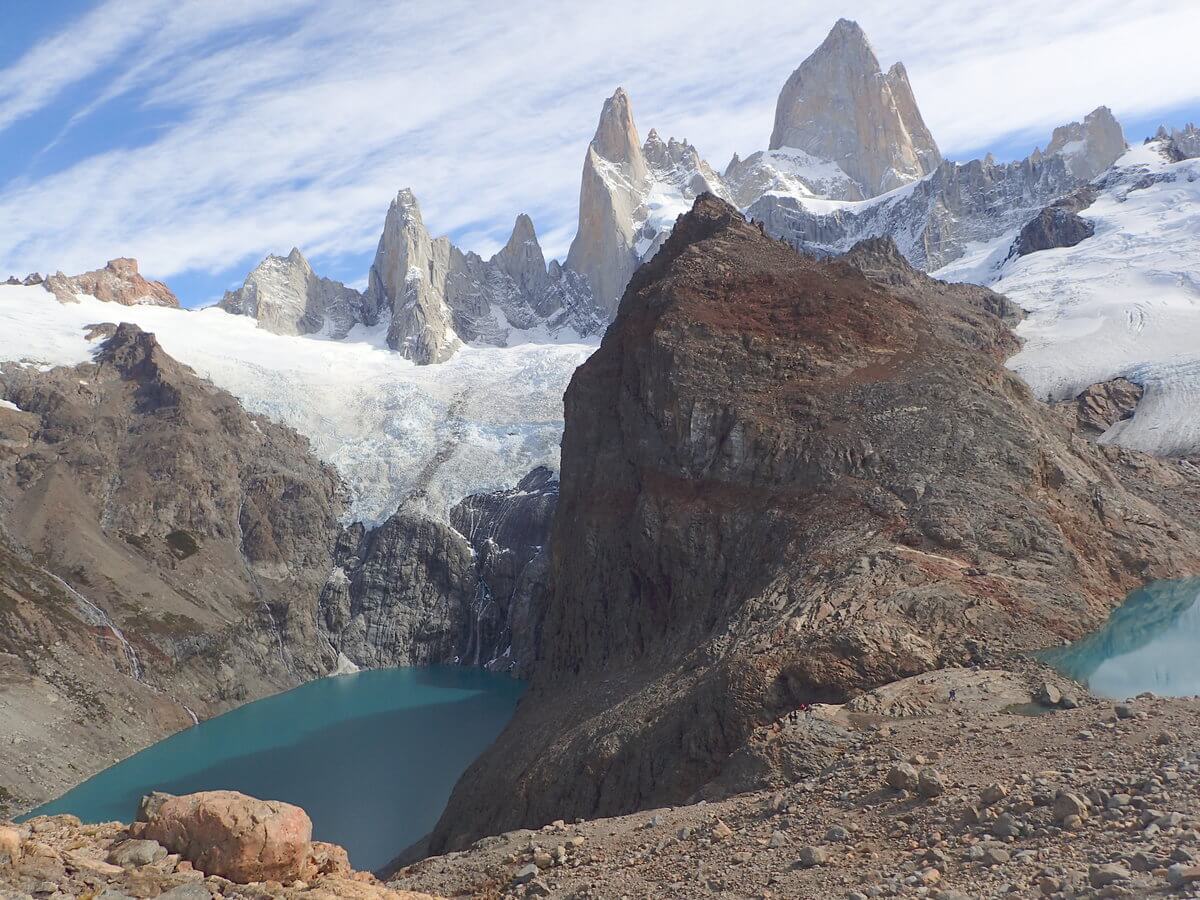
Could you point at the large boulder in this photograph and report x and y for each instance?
(234, 836)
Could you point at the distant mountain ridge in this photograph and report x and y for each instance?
(845, 131)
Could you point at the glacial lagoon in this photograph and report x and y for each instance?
(1151, 642)
(371, 757)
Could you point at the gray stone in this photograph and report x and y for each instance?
(930, 783)
(136, 853)
(902, 777)
(810, 856)
(1067, 804)
(526, 873)
(1048, 694)
(1109, 873)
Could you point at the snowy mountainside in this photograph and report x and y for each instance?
(1122, 303)
(954, 210)
(397, 432)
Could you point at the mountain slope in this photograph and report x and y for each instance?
(162, 552)
(1122, 303)
(784, 482)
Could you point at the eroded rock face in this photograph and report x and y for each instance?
(786, 483)
(840, 106)
(286, 296)
(1088, 147)
(118, 282)
(417, 591)
(234, 836)
(1105, 404)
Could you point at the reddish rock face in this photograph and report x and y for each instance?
(237, 837)
(118, 282)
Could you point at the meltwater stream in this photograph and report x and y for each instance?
(371, 757)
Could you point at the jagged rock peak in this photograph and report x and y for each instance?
(1179, 143)
(286, 296)
(615, 178)
(616, 137)
(118, 282)
(840, 106)
(438, 296)
(1091, 146)
(522, 259)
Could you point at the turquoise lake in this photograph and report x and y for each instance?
(1149, 643)
(371, 757)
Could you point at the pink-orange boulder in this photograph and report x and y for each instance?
(232, 835)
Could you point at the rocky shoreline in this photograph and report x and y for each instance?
(964, 800)
(195, 847)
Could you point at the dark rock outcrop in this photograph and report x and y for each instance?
(784, 483)
(417, 591)
(1058, 225)
(1103, 405)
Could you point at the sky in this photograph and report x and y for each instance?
(200, 135)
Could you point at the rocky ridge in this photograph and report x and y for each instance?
(881, 165)
(118, 282)
(934, 220)
(1179, 143)
(286, 296)
(438, 296)
(774, 493)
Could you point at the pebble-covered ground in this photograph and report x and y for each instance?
(1097, 801)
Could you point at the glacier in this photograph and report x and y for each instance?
(397, 432)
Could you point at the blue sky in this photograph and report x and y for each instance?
(199, 135)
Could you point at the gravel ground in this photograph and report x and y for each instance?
(1096, 801)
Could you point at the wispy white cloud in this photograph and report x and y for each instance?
(294, 122)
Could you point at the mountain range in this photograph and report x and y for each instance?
(844, 131)
(841, 413)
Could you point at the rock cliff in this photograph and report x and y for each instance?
(1088, 147)
(787, 481)
(629, 197)
(420, 591)
(286, 296)
(840, 106)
